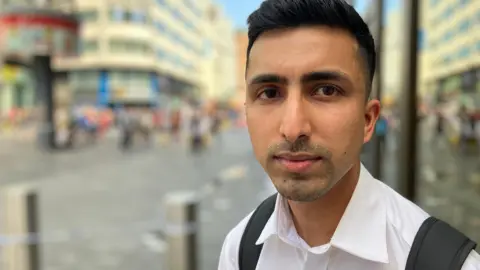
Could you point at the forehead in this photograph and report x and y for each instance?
(296, 51)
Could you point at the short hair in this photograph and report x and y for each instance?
(281, 14)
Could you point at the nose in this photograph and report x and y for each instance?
(295, 121)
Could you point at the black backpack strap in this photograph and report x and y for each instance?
(438, 246)
(249, 252)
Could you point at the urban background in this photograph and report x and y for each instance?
(123, 143)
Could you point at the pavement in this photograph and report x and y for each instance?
(98, 205)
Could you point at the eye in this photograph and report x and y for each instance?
(326, 90)
(269, 93)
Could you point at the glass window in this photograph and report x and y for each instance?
(464, 26)
(139, 16)
(117, 14)
(88, 46)
(118, 45)
(464, 52)
(89, 15)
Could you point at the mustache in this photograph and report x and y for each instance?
(300, 145)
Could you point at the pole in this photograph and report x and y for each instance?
(42, 72)
(407, 158)
(19, 217)
(182, 230)
(377, 143)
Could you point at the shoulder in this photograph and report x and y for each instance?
(231, 246)
(404, 217)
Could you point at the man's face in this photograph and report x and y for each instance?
(306, 108)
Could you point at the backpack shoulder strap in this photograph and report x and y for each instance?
(249, 252)
(438, 246)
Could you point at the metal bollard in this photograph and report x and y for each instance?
(19, 220)
(182, 230)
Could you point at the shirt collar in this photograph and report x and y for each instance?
(361, 231)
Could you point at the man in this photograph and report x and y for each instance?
(310, 66)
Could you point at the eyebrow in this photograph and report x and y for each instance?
(268, 78)
(307, 78)
(324, 76)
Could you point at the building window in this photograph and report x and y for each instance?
(464, 52)
(138, 16)
(118, 14)
(421, 39)
(89, 15)
(88, 46)
(129, 46)
(464, 26)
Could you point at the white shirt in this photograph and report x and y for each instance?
(376, 232)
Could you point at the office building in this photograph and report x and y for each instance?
(453, 48)
(149, 51)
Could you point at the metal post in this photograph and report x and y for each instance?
(19, 219)
(407, 159)
(377, 144)
(42, 72)
(182, 230)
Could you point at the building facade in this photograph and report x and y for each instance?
(453, 51)
(147, 51)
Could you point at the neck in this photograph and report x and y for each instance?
(317, 221)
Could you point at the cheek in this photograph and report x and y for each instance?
(343, 131)
(260, 131)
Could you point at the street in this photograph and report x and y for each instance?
(99, 205)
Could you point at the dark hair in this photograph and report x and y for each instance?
(278, 14)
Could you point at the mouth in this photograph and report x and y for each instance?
(297, 162)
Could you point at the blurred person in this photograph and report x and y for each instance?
(381, 130)
(309, 73)
(467, 129)
(126, 126)
(197, 139)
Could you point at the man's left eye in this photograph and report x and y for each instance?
(326, 90)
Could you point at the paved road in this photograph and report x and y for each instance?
(107, 201)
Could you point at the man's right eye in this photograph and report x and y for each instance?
(269, 93)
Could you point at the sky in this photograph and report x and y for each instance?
(239, 10)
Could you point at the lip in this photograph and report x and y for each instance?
(297, 162)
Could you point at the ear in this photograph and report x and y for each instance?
(372, 112)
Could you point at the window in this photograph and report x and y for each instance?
(139, 16)
(89, 15)
(84, 79)
(464, 52)
(421, 39)
(464, 26)
(129, 46)
(88, 46)
(118, 14)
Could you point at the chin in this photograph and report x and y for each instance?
(303, 190)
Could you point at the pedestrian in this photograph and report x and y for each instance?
(196, 134)
(309, 73)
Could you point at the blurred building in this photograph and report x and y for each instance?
(147, 51)
(453, 50)
(150, 51)
(27, 27)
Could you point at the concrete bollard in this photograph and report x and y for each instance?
(19, 228)
(181, 232)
